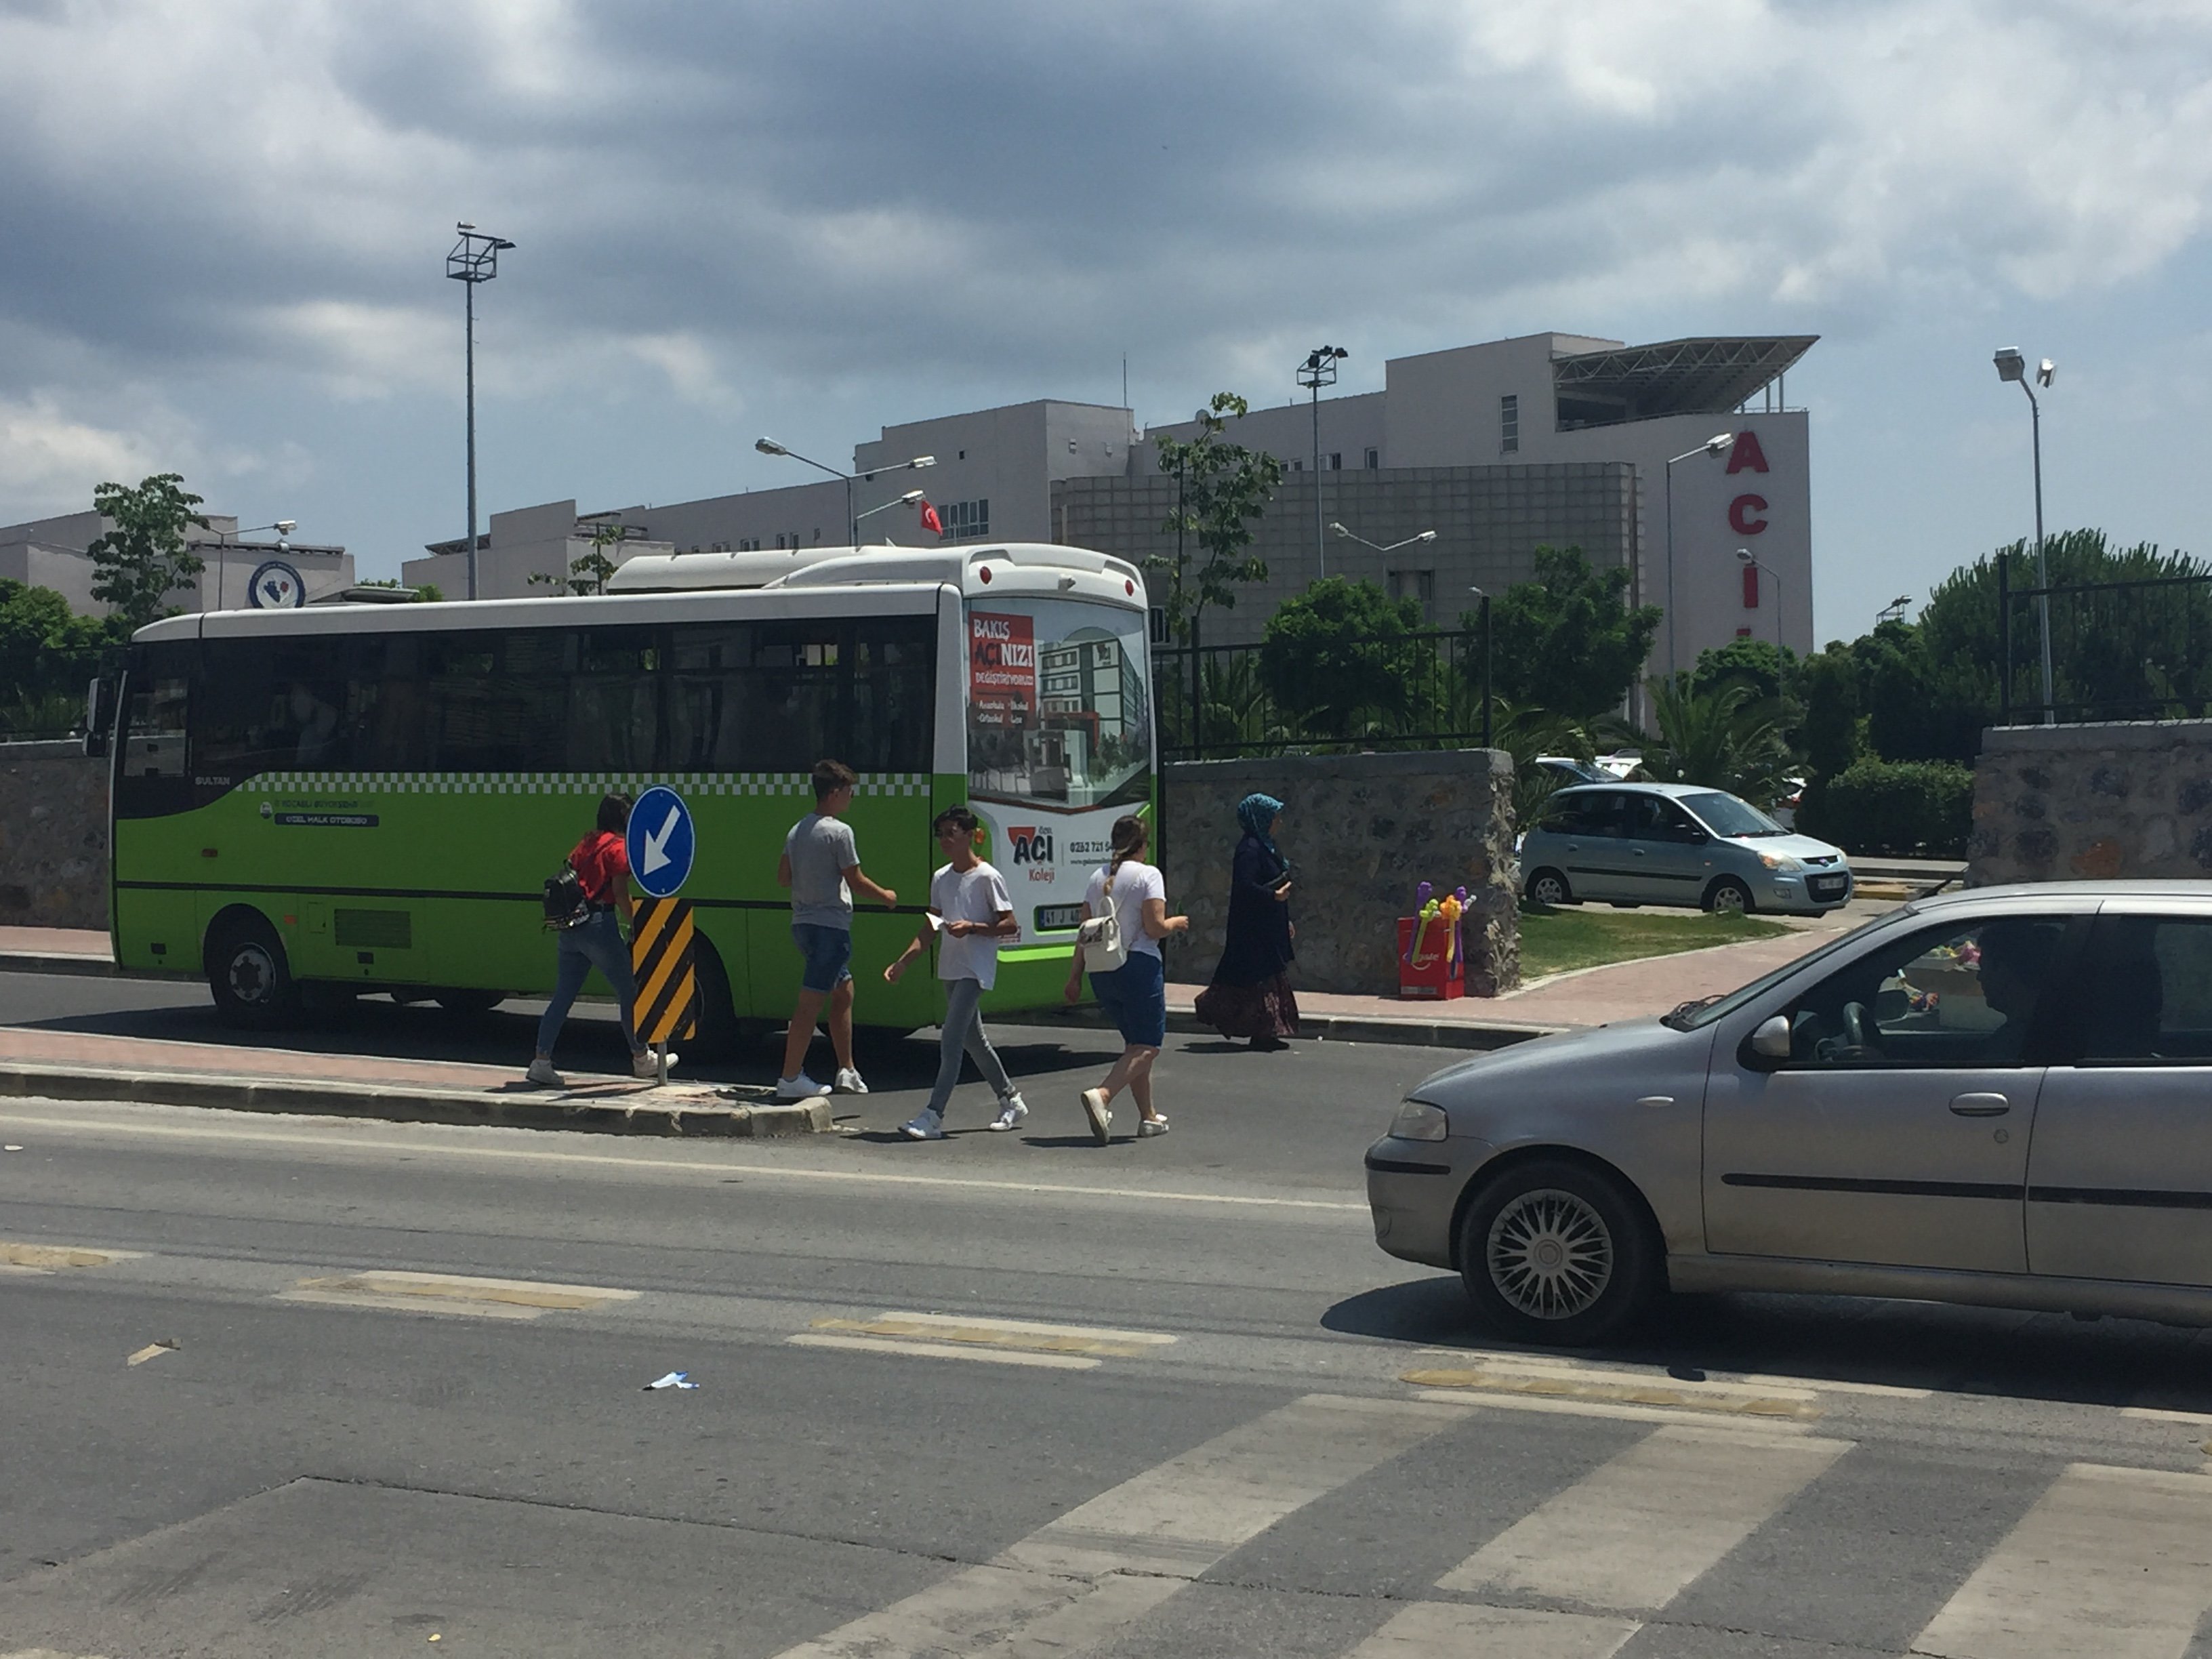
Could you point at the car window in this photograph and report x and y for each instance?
(1961, 994)
(1725, 815)
(2150, 993)
(1654, 817)
(1601, 812)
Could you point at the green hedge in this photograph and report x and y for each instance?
(1900, 809)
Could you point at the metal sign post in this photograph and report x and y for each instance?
(661, 844)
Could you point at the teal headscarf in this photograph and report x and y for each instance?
(1257, 814)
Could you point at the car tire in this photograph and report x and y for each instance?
(1556, 1254)
(251, 981)
(1729, 897)
(1549, 889)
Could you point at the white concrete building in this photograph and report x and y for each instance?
(51, 553)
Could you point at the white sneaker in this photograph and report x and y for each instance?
(542, 1073)
(644, 1065)
(1015, 1110)
(801, 1087)
(924, 1126)
(1094, 1109)
(1151, 1125)
(849, 1083)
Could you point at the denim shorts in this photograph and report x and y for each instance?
(829, 953)
(1136, 994)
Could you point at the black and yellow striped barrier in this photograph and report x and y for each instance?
(661, 959)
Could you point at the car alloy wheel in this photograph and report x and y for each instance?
(1547, 890)
(1550, 1255)
(1730, 899)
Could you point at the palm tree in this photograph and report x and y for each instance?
(1723, 737)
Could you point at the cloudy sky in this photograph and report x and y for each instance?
(226, 224)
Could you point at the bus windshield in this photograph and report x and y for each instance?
(1058, 710)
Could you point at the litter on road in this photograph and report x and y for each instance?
(166, 1345)
(673, 1380)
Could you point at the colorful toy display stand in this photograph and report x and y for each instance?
(1433, 973)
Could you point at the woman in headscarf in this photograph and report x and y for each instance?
(1250, 995)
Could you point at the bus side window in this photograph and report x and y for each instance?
(894, 694)
(613, 717)
(155, 735)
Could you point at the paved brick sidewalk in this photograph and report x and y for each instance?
(52, 941)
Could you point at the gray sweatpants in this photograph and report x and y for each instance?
(962, 1033)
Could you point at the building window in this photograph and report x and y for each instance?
(1509, 425)
(1374, 460)
(966, 520)
(1297, 466)
(1419, 585)
(1336, 463)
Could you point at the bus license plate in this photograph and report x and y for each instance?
(1059, 918)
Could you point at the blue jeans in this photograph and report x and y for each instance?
(1136, 994)
(594, 944)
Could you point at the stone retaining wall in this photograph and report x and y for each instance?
(2057, 803)
(53, 836)
(1362, 831)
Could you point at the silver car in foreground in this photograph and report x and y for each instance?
(1676, 843)
(2002, 1096)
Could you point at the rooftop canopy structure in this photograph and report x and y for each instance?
(1674, 377)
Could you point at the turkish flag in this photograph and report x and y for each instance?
(930, 520)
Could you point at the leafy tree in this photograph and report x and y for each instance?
(137, 564)
(429, 593)
(1341, 649)
(1830, 735)
(589, 570)
(1724, 737)
(47, 655)
(1221, 488)
(1568, 639)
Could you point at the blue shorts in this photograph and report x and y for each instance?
(1136, 994)
(829, 953)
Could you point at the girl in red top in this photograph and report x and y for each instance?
(601, 861)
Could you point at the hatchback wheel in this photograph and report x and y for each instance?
(1728, 898)
(1552, 1252)
(1549, 888)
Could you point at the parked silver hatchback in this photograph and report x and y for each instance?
(2001, 1098)
(1676, 843)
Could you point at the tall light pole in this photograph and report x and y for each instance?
(1713, 446)
(908, 500)
(283, 527)
(769, 446)
(1319, 370)
(475, 258)
(2011, 366)
(1752, 561)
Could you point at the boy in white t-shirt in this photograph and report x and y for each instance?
(969, 906)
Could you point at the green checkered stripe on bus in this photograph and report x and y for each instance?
(583, 783)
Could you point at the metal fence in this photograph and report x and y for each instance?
(1409, 691)
(2120, 650)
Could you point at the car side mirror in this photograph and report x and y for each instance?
(1771, 1040)
(1696, 837)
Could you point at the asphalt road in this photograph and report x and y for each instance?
(406, 1401)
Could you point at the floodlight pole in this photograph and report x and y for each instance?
(2011, 366)
(1319, 370)
(474, 259)
(1713, 445)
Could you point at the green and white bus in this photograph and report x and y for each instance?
(370, 798)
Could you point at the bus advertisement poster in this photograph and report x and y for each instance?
(1002, 669)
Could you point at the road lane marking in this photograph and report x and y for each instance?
(27, 1258)
(716, 1171)
(1017, 1334)
(1069, 1585)
(1637, 1531)
(2159, 1414)
(2116, 1562)
(1623, 1387)
(453, 1294)
(1615, 1410)
(1451, 1630)
(1060, 1362)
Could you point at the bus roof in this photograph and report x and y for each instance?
(845, 566)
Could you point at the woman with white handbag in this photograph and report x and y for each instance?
(1125, 917)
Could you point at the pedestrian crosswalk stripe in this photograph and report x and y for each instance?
(1020, 1334)
(957, 1615)
(1635, 1532)
(2116, 1562)
(454, 1293)
(1063, 1362)
(27, 1258)
(1564, 1384)
(1618, 1411)
(1452, 1630)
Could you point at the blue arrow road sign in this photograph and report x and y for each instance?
(660, 840)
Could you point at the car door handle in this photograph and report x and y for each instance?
(1980, 1105)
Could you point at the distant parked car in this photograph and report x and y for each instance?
(1997, 1097)
(1569, 771)
(1676, 843)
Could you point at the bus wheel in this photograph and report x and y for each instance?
(720, 1034)
(246, 970)
(469, 1002)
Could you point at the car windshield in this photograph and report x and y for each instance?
(1696, 1016)
(1725, 815)
(1579, 769)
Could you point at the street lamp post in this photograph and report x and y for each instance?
(282, 526)
(1319, 370)
(907, 500)
(769, 446)
(1484, 598)
(475, 258)
(1752, 561)
(2011, 366)
(1713, 445)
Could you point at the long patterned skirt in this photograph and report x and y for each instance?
(1266, 1010)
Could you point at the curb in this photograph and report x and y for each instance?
(1338, 1028)
(57, 962)
(695, 1119)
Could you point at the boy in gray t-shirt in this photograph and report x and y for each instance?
(822, 867)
